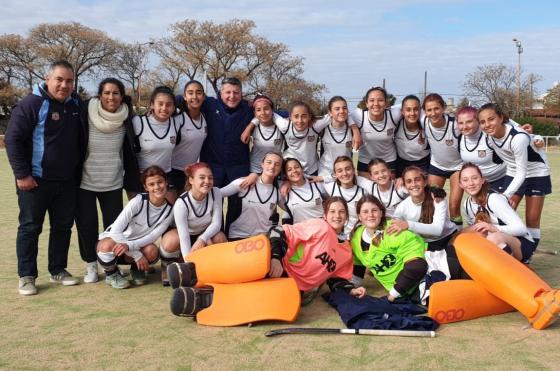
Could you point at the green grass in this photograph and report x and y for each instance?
(95, 327)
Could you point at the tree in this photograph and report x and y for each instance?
(87, 49)
(20, 60)
(130, 64)
(215, 51)
(552, 98)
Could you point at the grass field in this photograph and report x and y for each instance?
(95, 327)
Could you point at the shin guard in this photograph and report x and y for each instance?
(508, 279)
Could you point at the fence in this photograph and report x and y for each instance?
(552, 143)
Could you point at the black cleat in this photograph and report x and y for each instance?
(181, 275)
(188, 301)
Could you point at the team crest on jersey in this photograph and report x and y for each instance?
(449, 142)
(277, 142)
(311, 138)
(348, 144)
(55, 116)
(318, 201)
(272, 206)
(172, 139)
(421, 140)
(482, 153)
(390, 132)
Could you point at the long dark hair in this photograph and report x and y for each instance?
(427, 209)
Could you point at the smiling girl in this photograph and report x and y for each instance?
(527, 172)
(131, 238)
(384, 188)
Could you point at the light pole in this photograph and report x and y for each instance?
(519, 51)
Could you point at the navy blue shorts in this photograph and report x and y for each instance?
(402, 164)
(432, 170)
(536, 186)
(176, 180)
(364, 167)
(498, 185)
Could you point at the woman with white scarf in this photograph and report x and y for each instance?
(110, 154)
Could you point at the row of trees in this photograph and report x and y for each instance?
(193, 50)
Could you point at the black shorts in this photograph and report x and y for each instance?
(432, 170)
(535, 186)
(498, 185)
(402, 164)
(527, 248)
(176, 180)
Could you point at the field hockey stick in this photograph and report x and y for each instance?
(348, 331)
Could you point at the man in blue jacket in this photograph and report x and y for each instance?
(44, 142)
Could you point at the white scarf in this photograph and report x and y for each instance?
(105, 121)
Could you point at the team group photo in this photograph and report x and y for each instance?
(181, 197)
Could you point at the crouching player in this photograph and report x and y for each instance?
(297, 258)
(130, 239)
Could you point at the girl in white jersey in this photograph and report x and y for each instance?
(377, 126)
(410, 139)
(304, 200)
(337, 137)
(257, 212)
(474, 148)
(192, 132)
(384, 188)
(348, 186)
(425, 212)
(198, 218)
(131, 238)
(445, 162)
(527, 173)
(157, 132)
(491, 215)
(266, 136)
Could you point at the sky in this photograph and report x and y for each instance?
(348, 46)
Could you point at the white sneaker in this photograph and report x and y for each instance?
(91, 275)
(27, 286)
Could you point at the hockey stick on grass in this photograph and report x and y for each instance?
(310, 330)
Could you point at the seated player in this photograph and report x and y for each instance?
(131, 238)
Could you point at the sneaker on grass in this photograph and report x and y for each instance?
(65, 278)
(27, 286)
(138, 277)
(91, 275)
(117, 281)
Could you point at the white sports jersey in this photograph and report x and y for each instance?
(304, 202)
(440, 227)
(302, 145)
(475, 149)
(378, 136)
(193, 132)
(193, 217)
(521, 159)
(335, 142)
(501, 214)
(411, 145)
(157, 141)
(140, 223)
(443, 144)
(352, 196)
(265, 139)
(389, 198)
(258, 208)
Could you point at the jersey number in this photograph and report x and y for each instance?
(326, 260)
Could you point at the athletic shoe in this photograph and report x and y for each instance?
(188, 301)
(91, 273)
(308, 296)
(65, 278)
(27, 286)
(117, 281)
(181, 275)
(138, 277)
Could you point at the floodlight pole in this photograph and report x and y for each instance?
(519, 51)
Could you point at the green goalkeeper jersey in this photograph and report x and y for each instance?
(387, 260)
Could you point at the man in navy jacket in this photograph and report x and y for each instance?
(44, 142)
